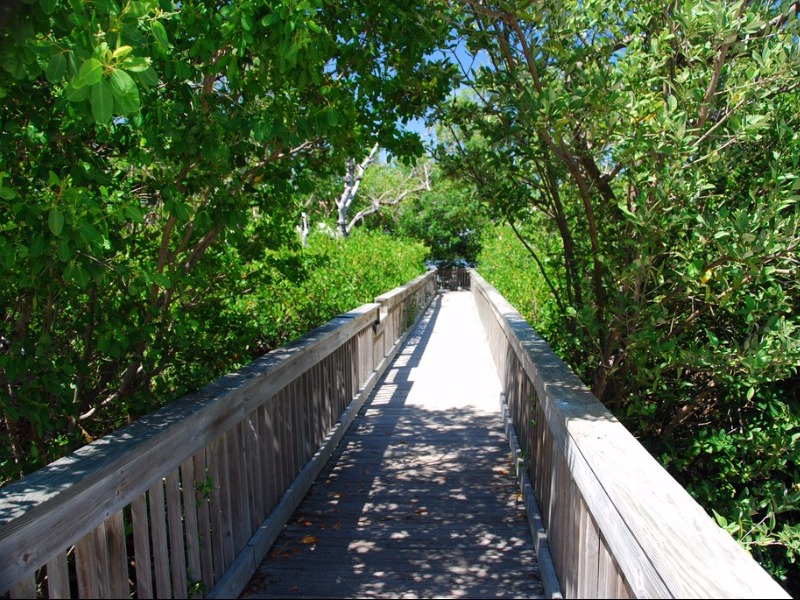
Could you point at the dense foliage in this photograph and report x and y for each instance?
(648, 155)
(152, 152)
(292, 290)
(155, 157)
(449, 219)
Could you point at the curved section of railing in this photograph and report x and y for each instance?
(618, 525)
(186, 501)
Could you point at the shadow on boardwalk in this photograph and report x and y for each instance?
(419, 500)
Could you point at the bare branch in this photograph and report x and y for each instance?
(352, 181)
(395, 196)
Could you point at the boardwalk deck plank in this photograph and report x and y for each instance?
(419, 500)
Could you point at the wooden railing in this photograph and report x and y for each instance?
(617, 525)
(186, 501)
(450, 277)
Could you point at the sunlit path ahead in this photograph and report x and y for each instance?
(419, 500)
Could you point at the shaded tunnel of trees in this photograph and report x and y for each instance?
(184, 186)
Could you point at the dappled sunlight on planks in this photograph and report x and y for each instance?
(419, 500)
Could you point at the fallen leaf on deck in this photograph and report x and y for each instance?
(308, 539)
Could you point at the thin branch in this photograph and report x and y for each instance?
(539, 263)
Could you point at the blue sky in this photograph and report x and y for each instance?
(464, 58)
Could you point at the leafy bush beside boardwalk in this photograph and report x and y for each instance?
(248, 307)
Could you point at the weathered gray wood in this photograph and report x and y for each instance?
(177, 550)
(141, 547)
(237, 484)
(663, 542)
(315, 418)
(91, 564)
(296, 439)
(24, 589)
(608, 573)
(216, 507)
(226, 503)
(305, 438)
(158, 535)
(75, 494)
(58, 577)
(256, 468)
(240, 573)
(270, 466)
(547, 572)
(117, 556)
(202, 496)
(588, 550)
(251, 480)
(191, 530)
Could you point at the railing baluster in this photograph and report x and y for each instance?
(177, 551)
(194, 569)
(237, 514)
(141, 547)
(26, 588)
(91, 564)
(58, 577)
(158, 534)
(117, 556)
(218, 507)
(270, 468)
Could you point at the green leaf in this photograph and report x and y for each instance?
(121, 52)
(135, 64)
(134, 214)
(160, 34)
(149, 77)
(6, 193)
(48, 6)
(76, 274)
(89, 233)
(126, 95)
(90, 73)
(76, 94)
(332, 117)
(162, 280)
(102, 100)
(55, 220)
(105, 7)
(56, 67)
(138, 9)
(269, 19)
(122, 84)
(37, 245)
(63, 251)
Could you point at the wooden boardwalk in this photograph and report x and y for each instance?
(419, 500)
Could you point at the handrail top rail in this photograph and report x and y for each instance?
(394, 297)
(641, 509)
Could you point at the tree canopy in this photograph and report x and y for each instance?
(156, 155)
(151, 151)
